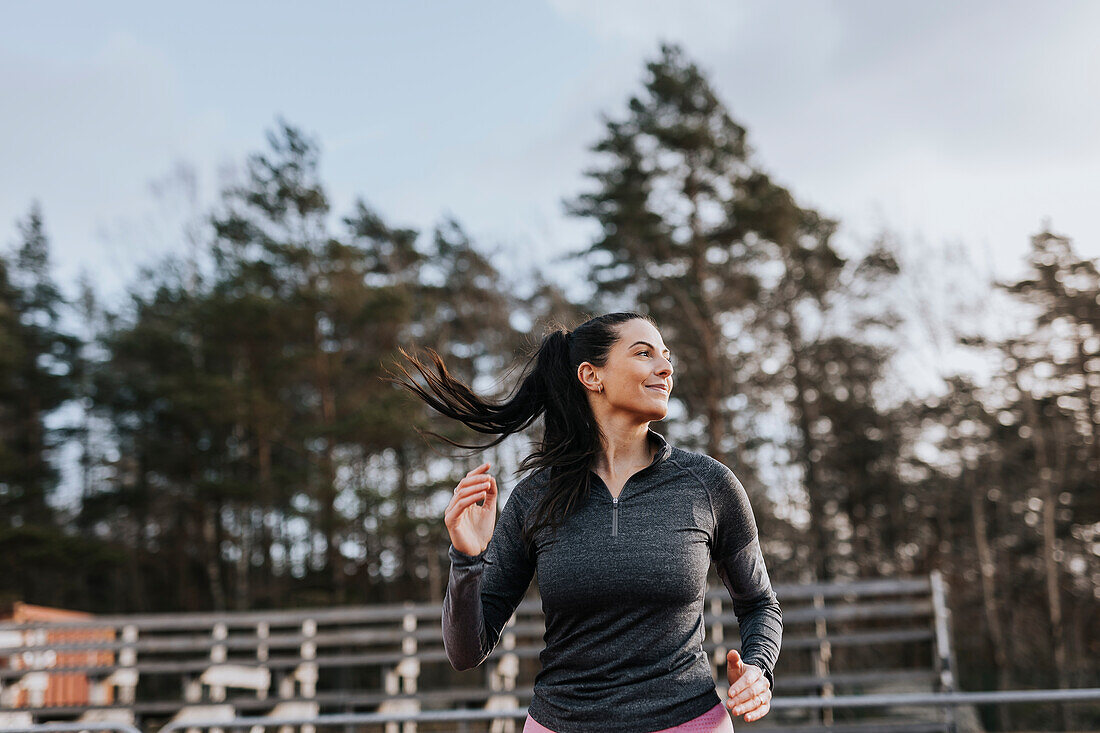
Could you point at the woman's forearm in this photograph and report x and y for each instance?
(463, 620)
(761, 626)
(759, 616)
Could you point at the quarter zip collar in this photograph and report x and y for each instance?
(663, 453)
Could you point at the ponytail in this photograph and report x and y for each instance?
(548, 387)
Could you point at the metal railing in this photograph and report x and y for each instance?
(998, 697)
(295, 646)
(289, 655)
(915, 699)
(70, 727)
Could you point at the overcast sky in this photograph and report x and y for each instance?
(941, 121)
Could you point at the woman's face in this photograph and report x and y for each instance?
(637, 377)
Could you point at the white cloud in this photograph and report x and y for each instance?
(954, 121)
(949, 121)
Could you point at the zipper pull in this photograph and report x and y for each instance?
(615, 516)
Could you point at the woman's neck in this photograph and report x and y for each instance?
(626, 448)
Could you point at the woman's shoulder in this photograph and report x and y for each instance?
(531, 485)
(719, 482)
(705, 465)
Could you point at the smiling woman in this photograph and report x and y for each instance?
(622, 528)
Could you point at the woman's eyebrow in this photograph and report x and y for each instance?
(646, 343)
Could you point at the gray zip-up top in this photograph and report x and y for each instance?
(622, 589)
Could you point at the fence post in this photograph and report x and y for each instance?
(822, 656)
(403, 677)
(945, 654)
(218, 655)
(718, 636)
(127, 657)
(308, 671)
(263, 633)
(503, 679)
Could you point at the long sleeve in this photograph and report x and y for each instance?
(484, 590)
(740, 564)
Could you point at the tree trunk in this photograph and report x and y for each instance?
(1044, 464)
(328, 476)
(404, 501)
(213, 557)
(819, 522)
(136, 583)
(265, 581)
(244, 559)
(988, 566)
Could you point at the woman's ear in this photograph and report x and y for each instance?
(589, 376)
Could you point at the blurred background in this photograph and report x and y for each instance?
(868, 232)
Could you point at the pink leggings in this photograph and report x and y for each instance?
(715, 720)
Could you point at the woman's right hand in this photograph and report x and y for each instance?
(471, 526)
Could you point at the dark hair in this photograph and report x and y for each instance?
(549, 387)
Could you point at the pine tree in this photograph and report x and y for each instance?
(747, 287)
(666, 246)
(37, 374)
(1056, 374)
(38, 370)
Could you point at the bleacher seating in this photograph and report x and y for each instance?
(837, 639)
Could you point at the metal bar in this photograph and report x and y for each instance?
(201, 645)
(887, 586)
(66, 727)
(852, 611)
(236, 619)
(939, 698)
(396, 612)
(860, 638)
(525, 651)
(362, 637)
(846, 701)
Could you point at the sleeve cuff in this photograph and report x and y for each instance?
(461, 559)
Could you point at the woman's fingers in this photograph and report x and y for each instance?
(749, 683)
(748, 694)
(751, 704)
(469, 499)
(759, 712)
(476, 487)
(475, 476)
(741, 697)
(480, 469)
(459, 503)
(477, 484)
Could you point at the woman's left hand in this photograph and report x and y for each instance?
(749, 693)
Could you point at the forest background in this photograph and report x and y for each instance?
(234, 447)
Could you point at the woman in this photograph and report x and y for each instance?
(621, 527)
